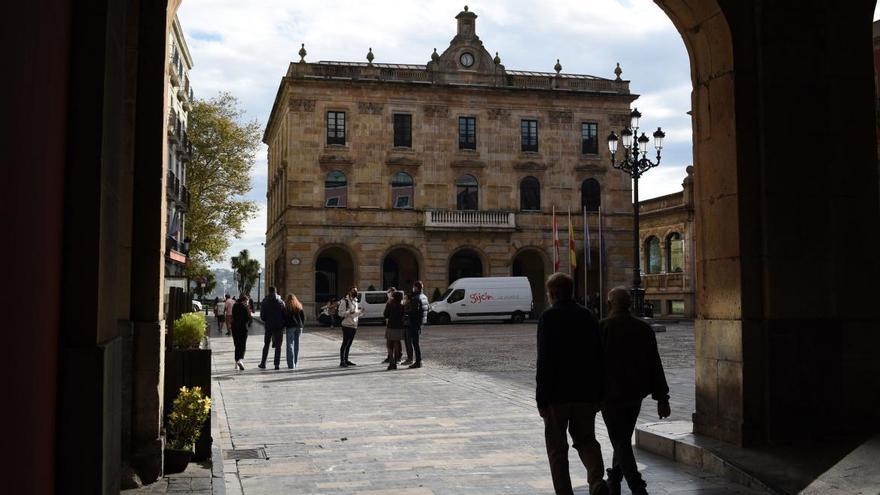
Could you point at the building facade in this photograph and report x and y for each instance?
(666, 231)
(382, 174)
(180, 98)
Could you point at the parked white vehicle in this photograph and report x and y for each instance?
(484, 299)
(373, 303)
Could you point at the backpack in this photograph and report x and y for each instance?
(340, 310)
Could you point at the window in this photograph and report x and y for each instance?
(590, 138)
(456, 296)
(335, 190)
(376, 298)
(467, 133)
(674, 253)
(401, 190)
(530, 194)
(676, 307)
(402, 130)
(336, 128)
(466, 193)
(591, 196)
(529, 129)
(652, 255)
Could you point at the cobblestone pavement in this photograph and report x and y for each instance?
(464, 424)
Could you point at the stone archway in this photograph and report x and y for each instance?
(334, 273)
(400, 268)
(465, 262)
(532, 264)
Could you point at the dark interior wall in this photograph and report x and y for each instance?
(35, 118)
(807, 180)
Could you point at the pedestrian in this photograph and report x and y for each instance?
(349, 310)
(407, 340)
(418, 317)
(569, 385)
(390, 292)
(272, 314)
(394, 329)
(633, 370)
(294, 321)
(219, 314)
(227, 312)
(332, 311)
(240, 318)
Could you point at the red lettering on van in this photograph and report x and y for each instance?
(478, 298)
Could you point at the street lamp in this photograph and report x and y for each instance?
(635, 163)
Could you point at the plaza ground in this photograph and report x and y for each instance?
(466, 423)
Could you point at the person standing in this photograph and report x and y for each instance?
(394, 329)
(227, 313)
(294, 321)
(418, 317)
(219, 313)
(407, 341)
(272, 314)
(633, 370)
(569, 385)
(349, 311)
(240, 318)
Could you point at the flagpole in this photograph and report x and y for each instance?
(601, 267)
(555, 242)
(571, 245)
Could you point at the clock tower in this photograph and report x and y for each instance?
(466, 61)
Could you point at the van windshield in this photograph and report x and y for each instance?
(445, 295)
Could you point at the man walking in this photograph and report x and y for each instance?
(632, 371)
(418, 317)
(227, 311)
(349, 311)
(569, 385)
(272, 314)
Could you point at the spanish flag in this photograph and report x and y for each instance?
(572, 253)
(555, 242)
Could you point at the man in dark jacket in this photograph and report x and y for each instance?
(569, 384)
(272, 314)
(632, 371)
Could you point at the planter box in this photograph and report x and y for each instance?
(189, 368)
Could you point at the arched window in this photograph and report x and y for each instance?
(674, 253)
(467, 193)
(652, 255)
(335, 190)
(402, 190)
(530, 194)
(591, 197)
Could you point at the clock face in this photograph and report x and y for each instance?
(466, 59)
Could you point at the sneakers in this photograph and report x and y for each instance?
(417, 364)
(239, 365)
(343, 365)
(407, 362)
(391, 366)
(386, 361)
(262, 366)
(349, 363)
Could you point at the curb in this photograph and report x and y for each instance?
(675, 441)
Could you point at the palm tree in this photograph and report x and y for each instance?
(246, 271)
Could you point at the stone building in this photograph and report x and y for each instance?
(180, 98)
(666, 231)
(382, 174)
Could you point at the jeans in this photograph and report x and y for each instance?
(240, 340)
(347, 340)
(620, 419)
(273, 336)
(413, 333)
(407, 344)
(292, 349)
(578, 419)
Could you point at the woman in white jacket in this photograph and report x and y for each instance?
(349, 310)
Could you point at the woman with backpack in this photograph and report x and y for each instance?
(294, 320)
(394, 328)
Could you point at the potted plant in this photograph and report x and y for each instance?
(190, 411)
(188, 364)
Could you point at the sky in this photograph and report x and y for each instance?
(245, 47)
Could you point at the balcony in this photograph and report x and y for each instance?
(674, 281)
(493, 221)
(183, 198)
(172, 193)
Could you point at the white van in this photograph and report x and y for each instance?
(373, 303)
(484, 299)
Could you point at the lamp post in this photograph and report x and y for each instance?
(635, 163)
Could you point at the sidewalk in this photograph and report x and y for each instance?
(365, 431)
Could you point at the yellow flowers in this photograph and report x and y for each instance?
(189, 412)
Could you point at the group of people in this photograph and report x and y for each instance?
(405, 315)
(585, 367)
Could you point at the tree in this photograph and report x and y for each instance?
(224, 150)
(247, 270)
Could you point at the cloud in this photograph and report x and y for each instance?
(252, 238)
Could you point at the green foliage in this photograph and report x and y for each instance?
(224, 151)
(246, 271)
(436, 295)
(371, 287)
(188, 413)
(200, 273)
(189, 330)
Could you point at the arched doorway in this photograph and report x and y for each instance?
(465, 263)
(530, 263)
(334, 273)
(400, 269)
